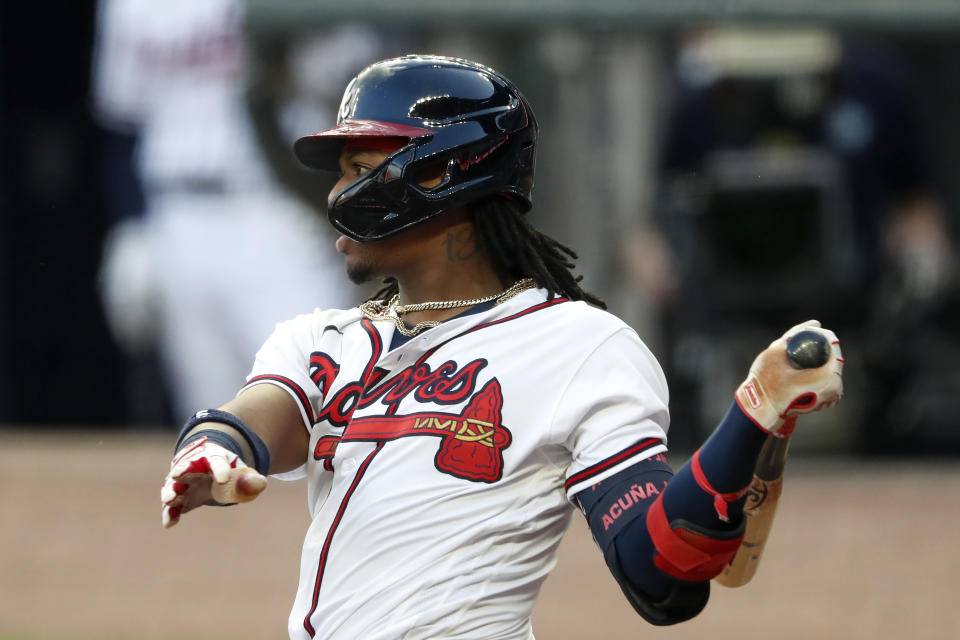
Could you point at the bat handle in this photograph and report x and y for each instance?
(772, 458)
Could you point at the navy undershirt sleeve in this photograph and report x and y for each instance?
(727, 458)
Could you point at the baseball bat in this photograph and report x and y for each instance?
(805, 350)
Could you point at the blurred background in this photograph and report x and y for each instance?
(725, 170)
(724, 175)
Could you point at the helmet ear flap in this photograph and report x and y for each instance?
(526, 155)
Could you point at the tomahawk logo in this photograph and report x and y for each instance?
(471, 442)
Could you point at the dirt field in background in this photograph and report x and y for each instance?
(859, 551)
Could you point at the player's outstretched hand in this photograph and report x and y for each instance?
(204, 472)
(776, 390)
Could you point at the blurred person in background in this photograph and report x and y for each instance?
(212, 243)
(795, 176)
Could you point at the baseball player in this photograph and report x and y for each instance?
(449, 426)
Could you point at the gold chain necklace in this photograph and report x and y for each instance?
(393, 310)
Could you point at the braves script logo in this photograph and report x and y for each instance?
(448, 384)
(471, 442)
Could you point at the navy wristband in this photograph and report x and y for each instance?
(261, 455)
(221, 438)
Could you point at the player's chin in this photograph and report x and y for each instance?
(359, 272)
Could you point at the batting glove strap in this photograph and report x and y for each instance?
(261, 455)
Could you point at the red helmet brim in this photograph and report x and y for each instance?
(321, 150)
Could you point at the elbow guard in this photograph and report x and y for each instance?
(616, 509)
(684, 600)
(687, 551)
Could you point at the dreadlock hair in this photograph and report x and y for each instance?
(518, 250)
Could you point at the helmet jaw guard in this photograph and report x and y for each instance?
(457, 115)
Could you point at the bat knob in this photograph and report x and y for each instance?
(808, 350)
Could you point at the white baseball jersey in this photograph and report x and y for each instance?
(440, 472)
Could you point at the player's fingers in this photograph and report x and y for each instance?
(170, 516)
(807, 324)
(834, 364)
(244, 485)
(250, 484)
(837, 352)
(194, 465)
(219, 468)
(172, 490)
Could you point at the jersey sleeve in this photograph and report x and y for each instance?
(284, 360)
(614, 412)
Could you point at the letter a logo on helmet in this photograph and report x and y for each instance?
(451, 116)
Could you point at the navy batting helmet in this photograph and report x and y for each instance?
(459, 115)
